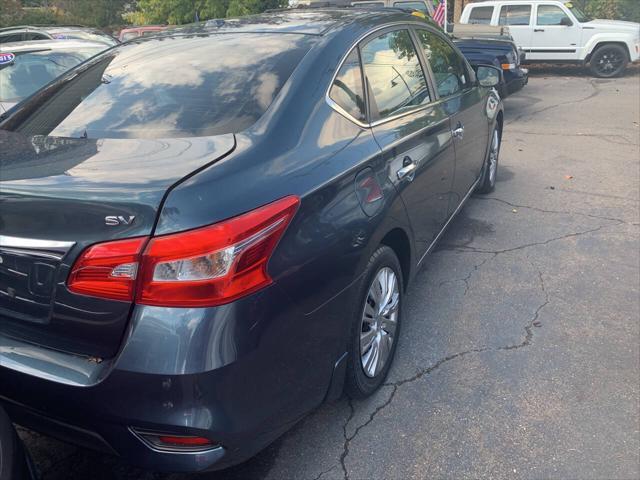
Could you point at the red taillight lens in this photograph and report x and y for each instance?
(215, 264)
(108, 269)
(203, 267)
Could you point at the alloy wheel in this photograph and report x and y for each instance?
(379, 321)
(609, 62)
(493, 157)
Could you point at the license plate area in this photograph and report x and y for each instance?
(27, 281)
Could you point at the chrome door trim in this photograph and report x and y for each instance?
(20, 243)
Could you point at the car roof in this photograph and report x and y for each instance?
(37, 45)
(313, 21)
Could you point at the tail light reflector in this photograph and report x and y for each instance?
(203, 267)
(174, 443)
(108, 269)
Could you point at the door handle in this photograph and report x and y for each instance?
(538, 29)
(458, 132)
(407, 170)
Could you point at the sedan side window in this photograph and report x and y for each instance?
(552, 15)
(515, 15)
(394, 74)
(448, 67)
(347, 89)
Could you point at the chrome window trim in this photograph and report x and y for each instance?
(348, 116)
(7, 241)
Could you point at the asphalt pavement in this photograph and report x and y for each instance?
(519, 355)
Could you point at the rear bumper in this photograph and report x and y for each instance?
(239, 374)
(516, 79)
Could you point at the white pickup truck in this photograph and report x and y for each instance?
(557, 31)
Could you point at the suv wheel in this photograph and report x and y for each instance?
(375, 324)
(608, 61)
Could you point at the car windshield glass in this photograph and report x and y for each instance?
(579, 14)
(170, 87)
(30, 71)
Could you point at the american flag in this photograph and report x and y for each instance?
(440, 13)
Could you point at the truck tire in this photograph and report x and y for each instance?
(609, 60)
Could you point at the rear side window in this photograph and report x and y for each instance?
(35, 36)
(515, 15)
(169, 87)
(552, 15)
(447, 66)
(347, 90)
(12, 37)
(30, 71)
(394, 74)
(481, 15)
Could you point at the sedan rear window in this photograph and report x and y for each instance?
(179, 86)
(30, 71)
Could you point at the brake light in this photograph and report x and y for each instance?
(207, 266)
(108, 269)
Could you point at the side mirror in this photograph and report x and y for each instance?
(566, 22)
(487, 75)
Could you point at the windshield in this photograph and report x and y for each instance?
(168, 87)
(579, 14)
(32, 70)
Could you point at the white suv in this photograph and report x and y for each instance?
(551, 30)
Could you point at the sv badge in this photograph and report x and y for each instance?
(115, 220)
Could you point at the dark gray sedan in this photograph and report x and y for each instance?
(207, 233)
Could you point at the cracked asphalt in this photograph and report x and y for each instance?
(520, 350)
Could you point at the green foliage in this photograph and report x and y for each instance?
(178, 12)
(611, 9)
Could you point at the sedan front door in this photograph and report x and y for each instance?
(412, 131)
(462, 101)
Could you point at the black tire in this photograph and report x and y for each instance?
(13, 463)
(488, 180)
(608, 61)
(359, 384)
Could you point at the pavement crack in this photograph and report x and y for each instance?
(466, 279)
(532, 323)
(428, 370)
(321, 474)
(542, 210)
(347, 440)
(466, 248)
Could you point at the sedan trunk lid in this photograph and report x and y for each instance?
(60, 195)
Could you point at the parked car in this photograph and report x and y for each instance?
(556, 31)
(192, 262)
(55, 32)
(488, 46)
(27, 66)
(135, 32)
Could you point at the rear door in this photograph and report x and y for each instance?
(518, 17)
(461, 100)
(411, 129)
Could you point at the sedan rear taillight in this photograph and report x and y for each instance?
(207, 266)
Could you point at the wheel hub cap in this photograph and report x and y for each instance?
(379, 321)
